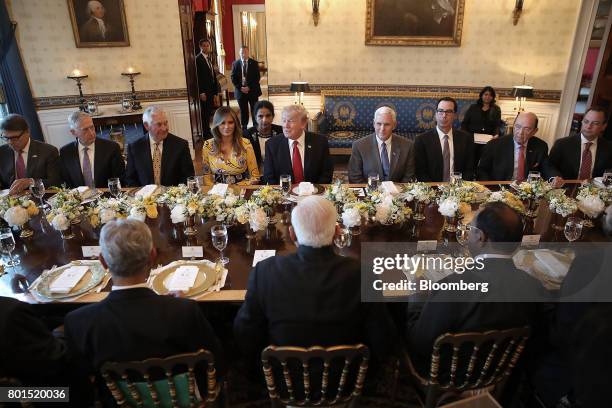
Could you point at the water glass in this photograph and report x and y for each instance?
(114, 186)
(607, 178)
(285, 185)
(7, 244)
(219, 241)
(192, 185)
(37, 189)
(342, 239)
(456, 178)
(533, 176)
(126, 104)
(373, 180)
(463, 233)
(573, 228)
(92, 107)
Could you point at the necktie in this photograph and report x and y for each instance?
(208, 63)
(20, 169)
(520, 168)
(586, 162)
(157, 164)
(384, 159)
(446, 160)
(298, 171)
(87, 168)
(245, 65)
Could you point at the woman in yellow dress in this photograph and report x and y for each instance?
(228, 157)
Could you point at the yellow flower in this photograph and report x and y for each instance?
(94, 220)
(32, 210)
(151, 210)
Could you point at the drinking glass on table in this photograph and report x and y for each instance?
(192, 185)
(607, 178)
(573, 228)
(114, 186)
(373, 180)
(37, 189)
(7, 244)
(456, 178)
(285, 185)
(533, 176)
(219, 241)
(342, 239)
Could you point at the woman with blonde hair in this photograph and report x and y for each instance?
(228, 157)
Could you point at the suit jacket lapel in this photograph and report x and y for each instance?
(148, 160)
(98, 161)
(32, 159)
(74, 166)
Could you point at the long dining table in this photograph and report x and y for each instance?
(46, 248)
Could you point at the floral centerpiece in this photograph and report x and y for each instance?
(66, 209)
(107, 209)
(561, 205)
(267, 197)
(143, 207)
(455, 202)
(508, 198)
(392, 210)
(531, 192)
(353, 213)
(17, 211)
(184, 206)
(252, 213)
(591, 201)
(421, 194)
(340, 194)
(222, 209)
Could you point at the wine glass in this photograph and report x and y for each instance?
(126, 104)
(573, 228)
(607, 178)
(456, 178)
(7, 244)
(192, 185)
(463, 232)
(285, 185)
(114, 186)
(533, 176)
(373, 179)
(219, 241)
(37, 189)
(342, 239)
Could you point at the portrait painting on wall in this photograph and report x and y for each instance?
(98, 23)
(414, 22)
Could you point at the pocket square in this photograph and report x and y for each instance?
(34, 156)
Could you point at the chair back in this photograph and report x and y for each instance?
(163, 382)
(315, 376)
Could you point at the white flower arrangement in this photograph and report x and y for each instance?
(221, 209)
(591, 205)
(466, 192)
(351, 217)
(104, 210)
(392, 211)
(178, 214)
(421, 192)
(16, 211)
(66, 205)
(181, 196)
(339, 194)
(60, 222)
(561, 204)
(267, 197)
(137, 214)
(535, 189)
(146, 205)
(449, 206)
(508, 198)
(250, 212)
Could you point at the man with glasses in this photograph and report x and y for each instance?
(586, 155)
(444, 150)
(513, 157)
(89, 161)
(23, 159)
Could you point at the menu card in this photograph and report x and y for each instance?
(219, 189)
(147, 191)
(183, 278)
(261, 254)
(68, 279)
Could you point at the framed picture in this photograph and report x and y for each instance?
(98, 23)
(414, 22)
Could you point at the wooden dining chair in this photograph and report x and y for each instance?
(315, 376)
(164, 382)
(464, 362)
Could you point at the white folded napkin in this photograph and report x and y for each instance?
(147, 191)
(183, 278)
(84, 191)
(551, 263)
(261, 254)
(219, 189)
(305, 188)
(389, 187)
(4, 192)
(68, 279)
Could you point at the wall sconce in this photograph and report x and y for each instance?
(131, 72)
(79, 76)
(516, 13)
(299, 87)
(521, 93)
(315, 12)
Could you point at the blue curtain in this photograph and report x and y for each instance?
(16, 87)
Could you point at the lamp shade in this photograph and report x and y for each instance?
(522, 91)
(300, 86)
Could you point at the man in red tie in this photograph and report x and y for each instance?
(303, 155)
(587, 155)
(23, 159)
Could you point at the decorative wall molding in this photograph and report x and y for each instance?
(51, 102)
(547, 95)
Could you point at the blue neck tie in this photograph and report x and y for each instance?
(384, 159)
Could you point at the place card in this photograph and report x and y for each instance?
(261, 254)
(427, 245)
(68, 279)
(91, 251)
(359, 191)
(193, 252)
(183, 278)
(219, 189)
(482, 138)
(531, 240)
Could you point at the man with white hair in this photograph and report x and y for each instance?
(97, 29)
(303, 155)
(89, 160)
(133, 322)
(383, 153)
(311, 297)
(159, 157)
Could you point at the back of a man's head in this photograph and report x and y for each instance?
(314, 222)
(126, 247)
(500, 223)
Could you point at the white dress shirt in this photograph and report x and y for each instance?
(388, 143)
(152, 145)
(583, 142)
(301, 141)
(90, 153)
(24, 154)
(450, 146)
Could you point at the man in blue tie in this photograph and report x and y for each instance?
(389, 155)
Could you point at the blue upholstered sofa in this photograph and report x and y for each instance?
(348, 115)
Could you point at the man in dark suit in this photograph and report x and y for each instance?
(159, 157)
(587, 155)
(311, 297)
(208, 86)
(133, 322)
(265, 129)
(89, 161)
(495, 234)
(303, 155)
(23, 159)
(444, 150)
(384, 153)
(245, 77)
(513, 157)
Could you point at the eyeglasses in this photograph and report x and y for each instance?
(587, 122)
(9, 138)
(442, 111)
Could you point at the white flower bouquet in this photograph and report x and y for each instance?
(420, 192)
(16, 211)
(392, 211)
(561, 204)
(508, 198)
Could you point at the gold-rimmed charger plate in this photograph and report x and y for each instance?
(90, 280)
(207, 276)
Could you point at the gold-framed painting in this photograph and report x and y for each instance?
(414, 22)
(98, 23)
